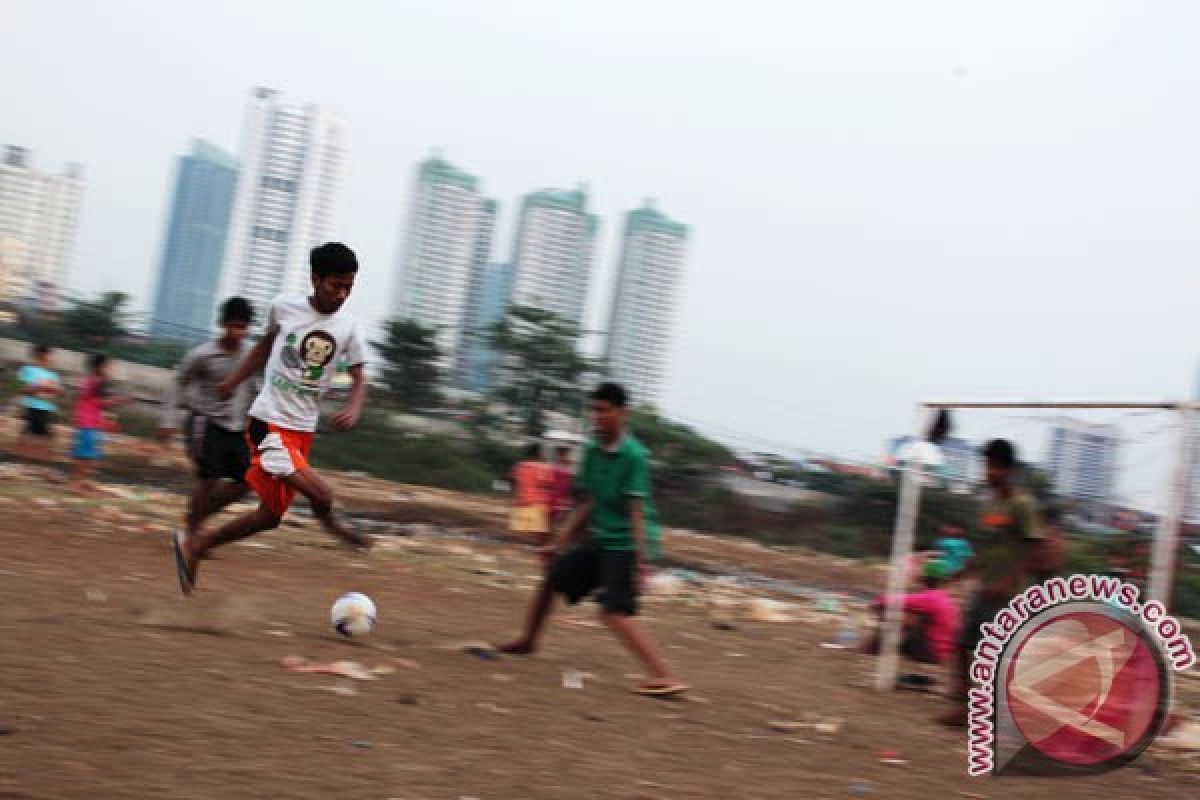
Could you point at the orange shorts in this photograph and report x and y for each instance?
(275, 453)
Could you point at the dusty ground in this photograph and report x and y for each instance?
(113, 685)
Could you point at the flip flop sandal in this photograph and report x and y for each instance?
(187, 579)
(661, 689)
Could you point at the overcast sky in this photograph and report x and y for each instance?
(889, 200)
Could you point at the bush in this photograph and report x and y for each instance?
(384, 452)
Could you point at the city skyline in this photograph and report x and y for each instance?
(39, 216)
(289, 189)
(194, 244)
(641, 322)
(553, 252)
(889, 212)
(447, 232)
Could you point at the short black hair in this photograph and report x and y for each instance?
(533, 450)
(96, 361)
(613, 393)
(332, 258)
(41, 350)
(1000, 453)
(237, 309)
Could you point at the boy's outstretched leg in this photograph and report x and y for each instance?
(189, 550)
(539, 612)
(208, 498)
(662, 681)
(320, 497)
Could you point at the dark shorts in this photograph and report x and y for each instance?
(587, 568)
(37, 421)
(914, 645)
(217, 453)
(982, 610)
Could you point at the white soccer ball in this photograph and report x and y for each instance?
(353, 614)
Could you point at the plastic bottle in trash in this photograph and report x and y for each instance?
(848, 635)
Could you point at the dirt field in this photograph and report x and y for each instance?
(113, 685)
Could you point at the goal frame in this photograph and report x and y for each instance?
(1166, 534)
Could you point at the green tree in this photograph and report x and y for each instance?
(410, 354)
(98, 322)
(540, 368)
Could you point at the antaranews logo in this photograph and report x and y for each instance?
(1074, 676)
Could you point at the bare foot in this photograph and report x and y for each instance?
(518, 648)
(348, 534)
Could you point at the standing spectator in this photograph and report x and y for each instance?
(40, 386)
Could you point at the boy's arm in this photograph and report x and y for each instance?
(637, 524)
(254, 361)
(570, 528)
(347, 418)
(175, 390)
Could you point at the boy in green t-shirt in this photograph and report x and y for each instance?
(613, 489)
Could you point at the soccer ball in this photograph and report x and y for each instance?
(353, 614)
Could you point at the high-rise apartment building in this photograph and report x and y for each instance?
(1082, 459)
(644, 302)
(194, 245)
(553, 250)
(293, 165)
(491, 290)
(39, 215)
(449, 234)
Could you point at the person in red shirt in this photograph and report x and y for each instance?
(931, 619)
(531, 479)
(91, 420)
(561, 479)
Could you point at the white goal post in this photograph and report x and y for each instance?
(1166, 535)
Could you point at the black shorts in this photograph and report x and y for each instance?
(982, 610)
(37, 421)
(217, 453)
(587, 568)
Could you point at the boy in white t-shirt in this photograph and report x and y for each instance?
(305, 337)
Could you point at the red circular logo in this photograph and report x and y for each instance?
(1084, 688)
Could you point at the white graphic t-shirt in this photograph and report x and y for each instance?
(308, 347)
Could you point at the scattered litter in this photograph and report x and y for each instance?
(345, 669)
(407, 663)
(346, 691)
(257, 545)
(495, 709)
(95, 596)
(502, 678)
(7, 730)
(383, 669)
(572, 679)
(828, 604)
(859, 788)
(1185, 738)
(829, 727)
(721, 625)
(787, 726)
(736, 655)
(407, 699)
(763, 609)
(361, 744)
(664, 584)
(891, 757)
(833, 646)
